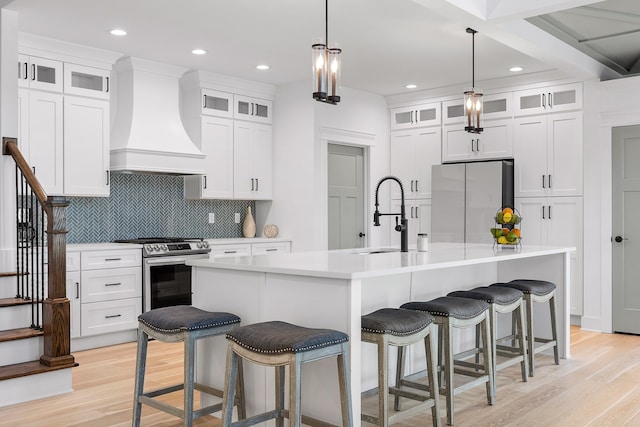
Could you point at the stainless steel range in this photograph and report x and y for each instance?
(166, 280)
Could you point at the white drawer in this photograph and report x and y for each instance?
(94, 260)
(269, 248)
(111, 284)
(110, 316)
(73, 261)
(240, 249)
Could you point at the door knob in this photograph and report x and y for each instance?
(361, 234)
(620, 239)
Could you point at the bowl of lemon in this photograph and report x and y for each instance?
(506, 232)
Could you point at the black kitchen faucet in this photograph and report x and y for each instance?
(402, 227)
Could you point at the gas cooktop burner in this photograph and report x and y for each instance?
(169, 246)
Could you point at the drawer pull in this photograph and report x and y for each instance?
(272, 249)
(112, 316)
(113, 284)
(230, 252)
(113, 259)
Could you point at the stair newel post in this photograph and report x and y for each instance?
(57, 339)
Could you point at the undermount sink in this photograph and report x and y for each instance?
(378, 251)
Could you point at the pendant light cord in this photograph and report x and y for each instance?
(326, 23)
(473, 56)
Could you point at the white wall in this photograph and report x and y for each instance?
(299, 159)
(8, 127)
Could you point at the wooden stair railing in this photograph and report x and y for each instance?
(55, 307)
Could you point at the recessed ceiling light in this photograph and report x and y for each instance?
(118, 32)
(262, 67)
(515, 69)
(411, 86)
(198, 51)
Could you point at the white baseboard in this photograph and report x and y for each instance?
(592, 324)
(95, 341)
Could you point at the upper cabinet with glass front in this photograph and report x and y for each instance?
(216, 103)
(86, 81)
(39, 73)
(415, 116)
(495, 106)
(548, 99)
(253, 109)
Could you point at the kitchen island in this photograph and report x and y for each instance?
(332, 289)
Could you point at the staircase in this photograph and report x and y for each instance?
(34, 311)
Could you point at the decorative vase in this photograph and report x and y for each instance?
(249, 224)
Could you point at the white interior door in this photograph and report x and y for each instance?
(345, 173)
(626, 229)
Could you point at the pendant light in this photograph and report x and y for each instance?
(326, 67)
(473, 96)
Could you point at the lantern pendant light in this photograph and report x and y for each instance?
(473, 97)
(326, 67)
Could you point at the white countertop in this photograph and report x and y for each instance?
(351, 264)
(101, 246)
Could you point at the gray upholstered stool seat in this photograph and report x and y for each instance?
(398, 327)
(502, 300)
(537, 291)
(449, 313)
(281, 344)
(174, 324)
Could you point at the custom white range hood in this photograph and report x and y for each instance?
(148, 136)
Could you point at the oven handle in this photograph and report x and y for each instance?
(171, 261)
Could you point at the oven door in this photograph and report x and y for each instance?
(167, 281)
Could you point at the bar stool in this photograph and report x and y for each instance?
(175, 324)
(281, 344)
(451, 312)
(401, 328)
(502, 300)
(537, 291)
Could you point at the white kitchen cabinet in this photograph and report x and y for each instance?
(86, 81)
(556, 221)
(253, 109)
(40, 136)
(270, 248)
(252, 161)
(495, 106)
(39, 73)
(111, 290)
(495, 142)
(216, 142)
(413, 152)
(86, 147)
(216, 103)
(548, 99)
(73, 292)
(418, 213)
(229, 250)
(548, 155)
(415, 116)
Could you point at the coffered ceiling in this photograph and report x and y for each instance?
(386, 44)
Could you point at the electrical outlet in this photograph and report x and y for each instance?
(237, 217)
(212, 217)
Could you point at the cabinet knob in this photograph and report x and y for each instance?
(361, 234)
(620, 239)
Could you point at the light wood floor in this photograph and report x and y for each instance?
(598, 386)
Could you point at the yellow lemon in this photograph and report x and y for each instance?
(502, 240)
(506, 217)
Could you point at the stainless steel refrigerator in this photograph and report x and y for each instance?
(466, 197)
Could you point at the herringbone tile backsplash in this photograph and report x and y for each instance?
(150, 206)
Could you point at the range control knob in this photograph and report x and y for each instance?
(205, 244)
(156, 247)
(164, 247)
(148, 248)
(199, 245)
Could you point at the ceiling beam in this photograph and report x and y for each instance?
(526, 38)
(511, 9)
